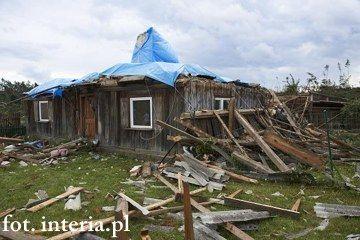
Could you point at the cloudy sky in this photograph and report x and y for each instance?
(255, 41)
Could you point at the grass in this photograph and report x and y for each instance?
(103, 176)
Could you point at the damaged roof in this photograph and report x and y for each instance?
(152, 57)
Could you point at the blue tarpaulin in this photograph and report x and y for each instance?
(55, 86)
(152, 57)
(152, 47)
(161, 71)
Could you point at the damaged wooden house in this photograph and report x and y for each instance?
(120, 106)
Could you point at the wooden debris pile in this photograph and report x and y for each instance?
(38, 152)
(265, 140)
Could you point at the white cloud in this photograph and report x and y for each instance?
(256, 41)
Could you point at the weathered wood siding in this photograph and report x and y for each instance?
(113, 116)
(112, 111)
(62, 117)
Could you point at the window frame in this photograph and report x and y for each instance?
(41, 119)
(132, 125)
(221, 99)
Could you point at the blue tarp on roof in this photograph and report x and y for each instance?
(55, 86)
(152, 57)
(161, 71)
(152, 47)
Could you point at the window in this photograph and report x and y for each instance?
(43, 111)
(141, 112)
(221, 103)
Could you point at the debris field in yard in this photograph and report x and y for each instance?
(254, 144)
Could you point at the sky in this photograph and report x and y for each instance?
(254, 41)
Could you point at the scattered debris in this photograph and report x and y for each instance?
(325, 210)
(108, 208)
(7, 212)
(71, 191)
(324, 223)
(73, 201)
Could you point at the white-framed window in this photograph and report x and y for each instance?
(141, 112)
(221, 103)
(43, 111)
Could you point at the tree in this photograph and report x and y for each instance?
(10, 91)
(292, 85)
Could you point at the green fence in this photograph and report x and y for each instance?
(11, 131)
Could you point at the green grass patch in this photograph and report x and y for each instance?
(105, 175)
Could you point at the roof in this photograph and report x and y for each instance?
(55, 86)
(152, 57)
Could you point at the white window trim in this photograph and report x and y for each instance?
(132, 114)
(40, 115)
(221, 107)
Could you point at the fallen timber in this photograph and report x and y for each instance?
(210, 113)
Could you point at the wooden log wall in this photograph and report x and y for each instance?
(62, 117)
(200, 94)
(113, 117)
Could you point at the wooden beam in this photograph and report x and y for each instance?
(296, 205)
(121, 211)
(55, 199)
(294, 150)
(269, 152)
(286, 111)
(134, 203)
(228, 226)
(179, 131)
(263, 207)
(7, 212)
(210, 114)
(232, 195)
(188, 219)
(250, 163)
(196, 130)
(233, 175)
(231, 114)
(231, 136)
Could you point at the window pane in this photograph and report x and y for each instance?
(217, 104)
(141, 112)
(226, 104)
(44, 110)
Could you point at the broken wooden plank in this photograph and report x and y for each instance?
(231, 136)
(287, 112)
(231, 216)
(228, 226)
(269, 152)
(204, 232)
(134, 203)
(55, 199)
(179, 131)
(258, 206)
(296, 205)
(250, 163)
(18, 156)
(210, 113)
(231, 114)
(11, 140)
(233, 194)
(144, 234)
(294, 150)
(234, 176)
(188, 219)
(200, 133)
(326, 210)
(121, 211)
(7, 212)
